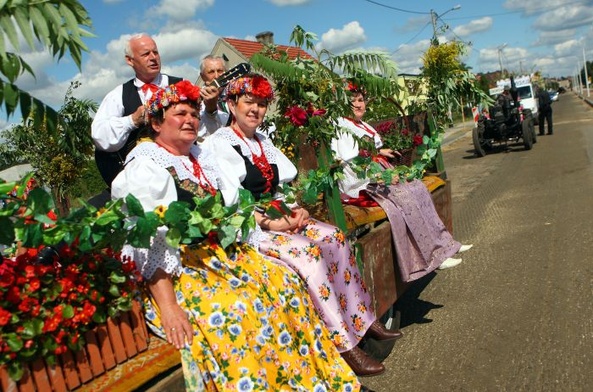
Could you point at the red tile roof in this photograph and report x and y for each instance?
(249, 48)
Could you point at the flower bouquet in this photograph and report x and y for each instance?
(398, 137)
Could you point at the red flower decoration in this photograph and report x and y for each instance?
(187, 91)
(311, 111)
(417, 140)
(297, 116)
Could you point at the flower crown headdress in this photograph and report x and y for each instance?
(355, 89)
(256, 85)
(163, 97)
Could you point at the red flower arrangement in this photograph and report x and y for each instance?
(48, 303)
(397, 137)
(300, 117)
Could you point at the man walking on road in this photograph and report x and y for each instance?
(544, 110)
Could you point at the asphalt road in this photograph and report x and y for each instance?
(516, 315)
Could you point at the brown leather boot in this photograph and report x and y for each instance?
(362, 364)
(378, 331)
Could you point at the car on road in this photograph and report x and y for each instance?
(553, 95)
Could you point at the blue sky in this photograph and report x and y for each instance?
(525, 35)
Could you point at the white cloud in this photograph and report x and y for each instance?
(180, 10)
(475, 26)
(351, 35)
(409, 56)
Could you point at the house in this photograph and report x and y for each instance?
(235, 51)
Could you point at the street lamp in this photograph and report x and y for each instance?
(434, 16)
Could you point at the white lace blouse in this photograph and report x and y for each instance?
(346, 148)
(231, 162)
(147, 178)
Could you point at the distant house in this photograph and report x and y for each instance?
(16, 172)
(235, 51)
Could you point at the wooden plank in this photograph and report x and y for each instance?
(69, 368)
(7, 384)
(56, 376)
(125, 327)
(117, 342)
(94, 353)
(134, 373)
(105, 347)
(443, 205)
(379, 267)
(138, 326)
(26, 383)
(83, 366)
(40, 376)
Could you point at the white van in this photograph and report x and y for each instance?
(525, 92)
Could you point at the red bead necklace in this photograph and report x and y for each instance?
(197, 171)
(259, 161)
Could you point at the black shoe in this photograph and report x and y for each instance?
(550, 133)
(541, 134)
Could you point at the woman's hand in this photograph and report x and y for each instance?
(176, 325)
(174, 321)
(289, 224)
(389, 153)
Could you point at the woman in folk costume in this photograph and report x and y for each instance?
(239, 320)
(317, 251)
(421, 240)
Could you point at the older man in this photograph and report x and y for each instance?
(120, 119)
(213, 112)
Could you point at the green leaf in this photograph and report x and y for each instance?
(15, 343)
(177, 212)
(134, 206)
(173, 237)
(117, 277)
(11, 96)
(227, 235)
(8, 29)
(40, 201)
(40, 26)
(24, 25)
(114, 291)
(68, 312)
(16, 370)
(6, 231)
(99, 316)
(32, 235)
(32, 328)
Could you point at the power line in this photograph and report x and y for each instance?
(397, 9)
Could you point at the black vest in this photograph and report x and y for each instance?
(111, 163)
(254, 180)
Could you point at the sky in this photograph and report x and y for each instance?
(550, 36)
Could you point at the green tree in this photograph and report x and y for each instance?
(449, 84)
(58, 25)
(62, 158)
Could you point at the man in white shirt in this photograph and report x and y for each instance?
(213, 114)
(120, 119)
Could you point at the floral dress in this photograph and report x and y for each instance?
(255, 326)
(319, 253)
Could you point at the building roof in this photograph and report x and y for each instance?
(249, 48)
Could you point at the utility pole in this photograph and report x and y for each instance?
(500, 48)
(586, 74)
(434, 17)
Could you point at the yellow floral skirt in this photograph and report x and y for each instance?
(255, 326)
